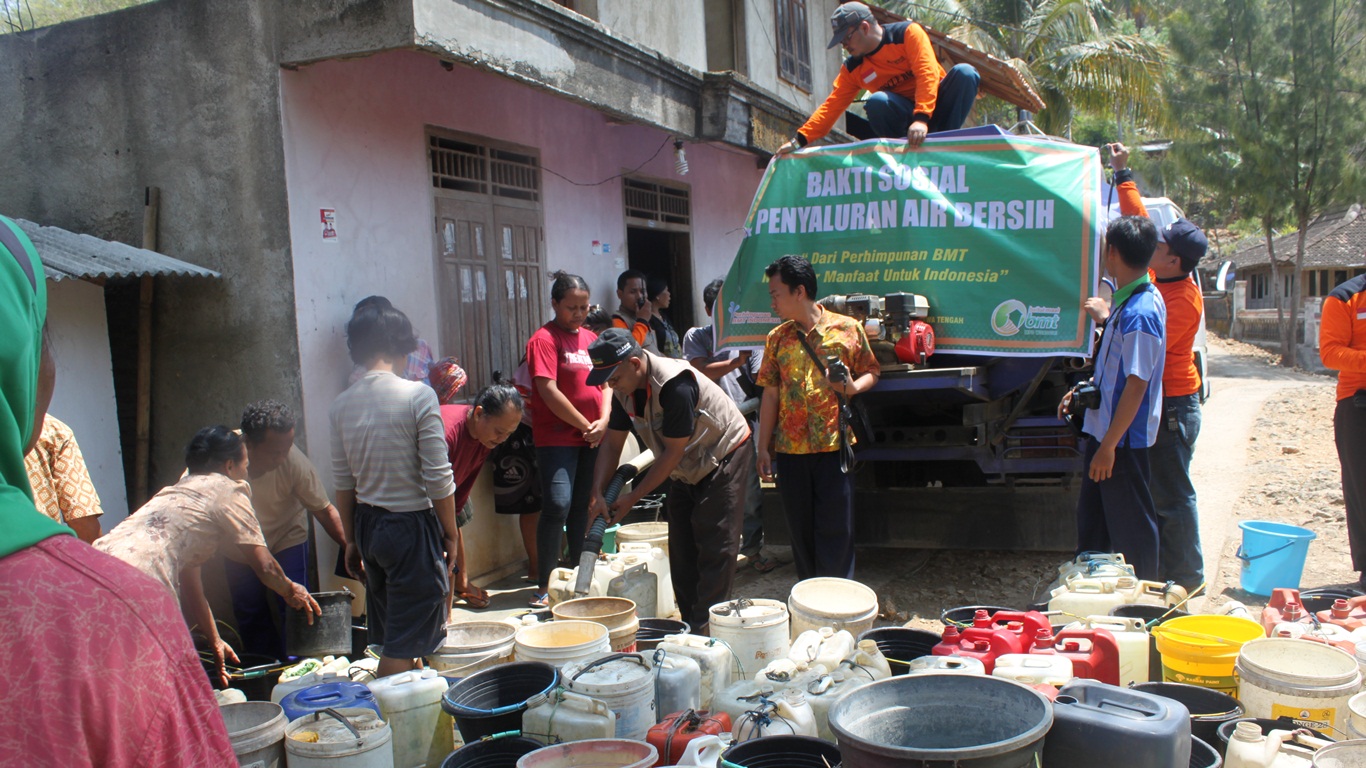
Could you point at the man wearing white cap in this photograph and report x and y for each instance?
(911, 96)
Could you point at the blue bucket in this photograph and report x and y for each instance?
(1272, 555)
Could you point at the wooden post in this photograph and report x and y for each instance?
(142, 452)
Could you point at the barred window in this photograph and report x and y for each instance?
(794, 43)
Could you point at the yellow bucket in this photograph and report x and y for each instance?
(1201, 650)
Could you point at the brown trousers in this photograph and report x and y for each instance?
(705, 522)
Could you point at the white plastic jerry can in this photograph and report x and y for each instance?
(713, 659)
(423, 734)
(679, 685)
(1032, 669)
(657, 560)
(562, 715)
(823, 646)
(822, 693)
(788, 714)
(867, 656)
(633, 580)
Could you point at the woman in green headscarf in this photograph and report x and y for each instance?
(99, 667)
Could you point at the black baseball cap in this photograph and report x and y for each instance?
(1186, 241)
(613, 347)
(845, 18)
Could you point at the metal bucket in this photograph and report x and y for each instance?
(329, 634)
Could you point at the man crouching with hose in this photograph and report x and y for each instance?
(697, 435)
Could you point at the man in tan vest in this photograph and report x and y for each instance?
(697, 435)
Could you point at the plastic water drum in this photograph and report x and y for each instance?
(625, 682)
(755, 630)
(1309, 682)
(1272, 555)
(834, 603)
(257, 731)
(339, 738)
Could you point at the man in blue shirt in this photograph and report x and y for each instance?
(1115, 512)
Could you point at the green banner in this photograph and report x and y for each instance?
(1001, 234)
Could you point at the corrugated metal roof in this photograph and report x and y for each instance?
(67, 255)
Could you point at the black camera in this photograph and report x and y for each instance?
(1085, 397)
(836, 370)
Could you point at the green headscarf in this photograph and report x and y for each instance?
(23, 308)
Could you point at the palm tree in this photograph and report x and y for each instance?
(1073, 52)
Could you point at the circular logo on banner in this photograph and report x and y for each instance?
(1009, 317)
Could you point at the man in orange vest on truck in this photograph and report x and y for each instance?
(1181, 246)
(1342, 347)
(910, 94)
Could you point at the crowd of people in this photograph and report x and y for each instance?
(406, 448)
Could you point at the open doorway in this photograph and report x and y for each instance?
(667, 255)
(659, 241)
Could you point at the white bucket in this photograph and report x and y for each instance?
(562, 642)
(1356, 716)
(1344, 754)
(625, 683)
(472, 646)
(756, 631)
(1306, 681)
(834, 603)
(336, 746)
(655, 534)
(257, 731)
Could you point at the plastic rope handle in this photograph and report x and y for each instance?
(1246, 558)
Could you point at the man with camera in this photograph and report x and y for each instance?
(1342, 347)
(1123, 406)
(635, 311)
(813, 362)
(698, 438)
(1180, 247)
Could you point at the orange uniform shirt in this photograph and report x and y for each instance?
(1342, 335)
(904, 63)
(1185, 307)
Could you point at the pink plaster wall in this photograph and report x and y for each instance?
(354, 141)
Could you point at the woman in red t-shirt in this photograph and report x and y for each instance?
(568, 420)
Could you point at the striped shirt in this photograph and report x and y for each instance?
(389, 445)
(1134, 345)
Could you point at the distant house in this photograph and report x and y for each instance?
(1335, 250)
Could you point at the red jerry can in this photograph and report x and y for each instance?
(672, 734)
(1284, 605)
(1348, 614)
(982, 643)
(1094, 652)
(1025, 623)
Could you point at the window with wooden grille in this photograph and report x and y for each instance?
(794, 43)
(657, 202)
(463, 166)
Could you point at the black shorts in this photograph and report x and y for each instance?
(405, 580)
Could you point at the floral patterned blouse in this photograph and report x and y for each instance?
(183, 526)
(808, 409)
